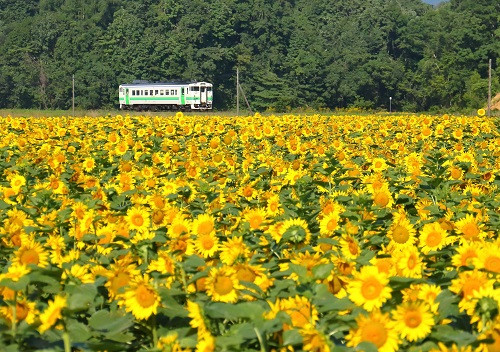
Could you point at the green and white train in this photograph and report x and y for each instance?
(166, 96)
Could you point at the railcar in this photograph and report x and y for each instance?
(166, 96)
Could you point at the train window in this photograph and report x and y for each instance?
(156, 92)
(133, 92)
(187, 90)
(145, 92)
(172, 92)
(166, 92)
(209, 89)
(202, 89)
(151, 92)
(121, 89)
(162, 92)
(195, 89)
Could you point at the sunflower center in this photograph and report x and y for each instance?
(353, 247)
(120, 280)
(381, 199)
(471, 285)
(492, 263)
(455, 173)
(205, 227)
(413, 318)
(145, 296)
(371, 288)
(207, 242)
(412, 262)
(29, 256)
(332, 224)
(21, 311)
(470, 230)
(223, 285)
(158, 216)
(245, 274)
(400, 234)
(433, 239)
(255, 221)
(137, 220)
(178, 229)
(375, 333)
(248, 191)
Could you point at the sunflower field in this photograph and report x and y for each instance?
(256, 233)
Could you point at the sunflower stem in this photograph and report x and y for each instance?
(154, 331)
(14, 316)
(261, 342)
(67, 342)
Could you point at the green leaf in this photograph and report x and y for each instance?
(112, 322)
(234, 311)
(446, 333)
(366, 347)
(81, 297)
(291, 337)
(322, 271)
(18, 285)
(78, 332)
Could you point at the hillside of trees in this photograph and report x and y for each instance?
(290, 53)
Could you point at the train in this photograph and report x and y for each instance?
(184, 96)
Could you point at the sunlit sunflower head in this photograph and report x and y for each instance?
(52, 313)
(88, 164)
(25, 310)
(466, 284)
(314, 340)
(302, 312)
(466, 254)
(378, 164)
(409, 262)
(179, 226)
(350, 247)
(489, 258)
(470, 228)
(385, 265)
(433, 237)
(32, 252)
(295, 231)
(223, 285)
(17, 181)
(329, 223)
(140, 297)
(428, 293)
(197, 318)
(376, 328)
(256, 218)
(383, 198)
(207, 245)
(413, 320)
(401, 233)
(138, 219)
(204, 224)
(232, 249)
(369, 288)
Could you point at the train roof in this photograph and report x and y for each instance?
(149, 84)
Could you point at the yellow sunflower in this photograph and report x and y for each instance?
(369, 288)
(232, 249)
(470, 228)
(204, 224)
(207, 245)
(31, 252)
(140, 298)
(301, 311)
(401, 233)
(137, 219)
(466, 284)
(466, 252)
(256, 218)
(376, 328)
(223, 285)
(25, 310)
(295, 231)
(409, 262)
(489, 258)
(52, 313)
(413, 320)
(314, 340)
(197, 319)
(329, 223)
(383, 198)
(350, 247)
(433, 237)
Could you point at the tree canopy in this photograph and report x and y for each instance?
(290, 53)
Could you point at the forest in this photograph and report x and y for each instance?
(318, 54)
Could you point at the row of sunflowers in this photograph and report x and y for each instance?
(266, 233)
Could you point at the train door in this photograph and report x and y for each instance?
(183, 97)
(203, 95)
(127, 99)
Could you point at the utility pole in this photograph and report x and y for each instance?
(73, 95)
(237, 91)
(489, 88)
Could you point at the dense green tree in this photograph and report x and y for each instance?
(290, 53)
